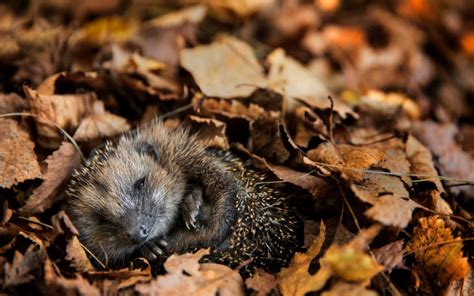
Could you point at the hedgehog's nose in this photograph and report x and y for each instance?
(141, 234)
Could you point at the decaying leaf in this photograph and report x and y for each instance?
(350, 265)
(24, 266)
(60, 166)
(390, 255)
(291, 79)
(57, 284)
(438, 254)
(10, 103)
(65, 111)
(295, 279)
(211, 131)
(18, 161)
(185, 275)
(348, 289)
(226, 68)
(261, 282)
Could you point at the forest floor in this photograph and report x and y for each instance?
(364, 110)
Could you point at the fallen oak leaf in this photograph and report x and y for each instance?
(18, 161)
(60, 166)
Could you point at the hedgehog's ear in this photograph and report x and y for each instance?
(147, 148)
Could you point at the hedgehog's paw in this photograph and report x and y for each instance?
(152, 250)
(191, 206)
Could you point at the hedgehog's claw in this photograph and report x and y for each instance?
(154, 249)
(191, 205)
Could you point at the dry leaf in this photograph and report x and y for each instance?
(193, 14)
(24, 267)
(57, 284)
(421, 161)
(261, 282)
(100, 125)
(350, 262)
(295, 279)
(60, 166)
(185, 275)
(65, 111)
(439, 257)
(211, 131)
(106, 29)
(10, 103)
(389, 103)
(17, 158)
(390, 255)
(242, 8)
(347, 289)
(291, 79)
(226, 68)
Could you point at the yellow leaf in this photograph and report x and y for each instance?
(107, 29)
(350, 264)
(296, 280)
(439, 258)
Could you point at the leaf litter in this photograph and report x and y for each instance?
(360, 110)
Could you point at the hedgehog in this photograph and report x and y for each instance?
(160, 191)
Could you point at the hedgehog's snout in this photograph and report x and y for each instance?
(140, 234)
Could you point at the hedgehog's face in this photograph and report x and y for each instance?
(130, 199)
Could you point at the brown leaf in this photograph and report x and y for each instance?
(12, 102)
(66, 111)
(261, 282)
(266, 139)
(57, 284)
(226, 68)
(185, 275)
(60, 166)
(242, 8)
(439, 256)
(295, 279)
(390, 255)
(211, 131)
(391, 204)
(24, 267)
(453, 161)
(421, 161)
(193, 14)
(17, 158)
(101, 124)
(291, 79)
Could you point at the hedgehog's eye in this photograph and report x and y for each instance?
(139, 184)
